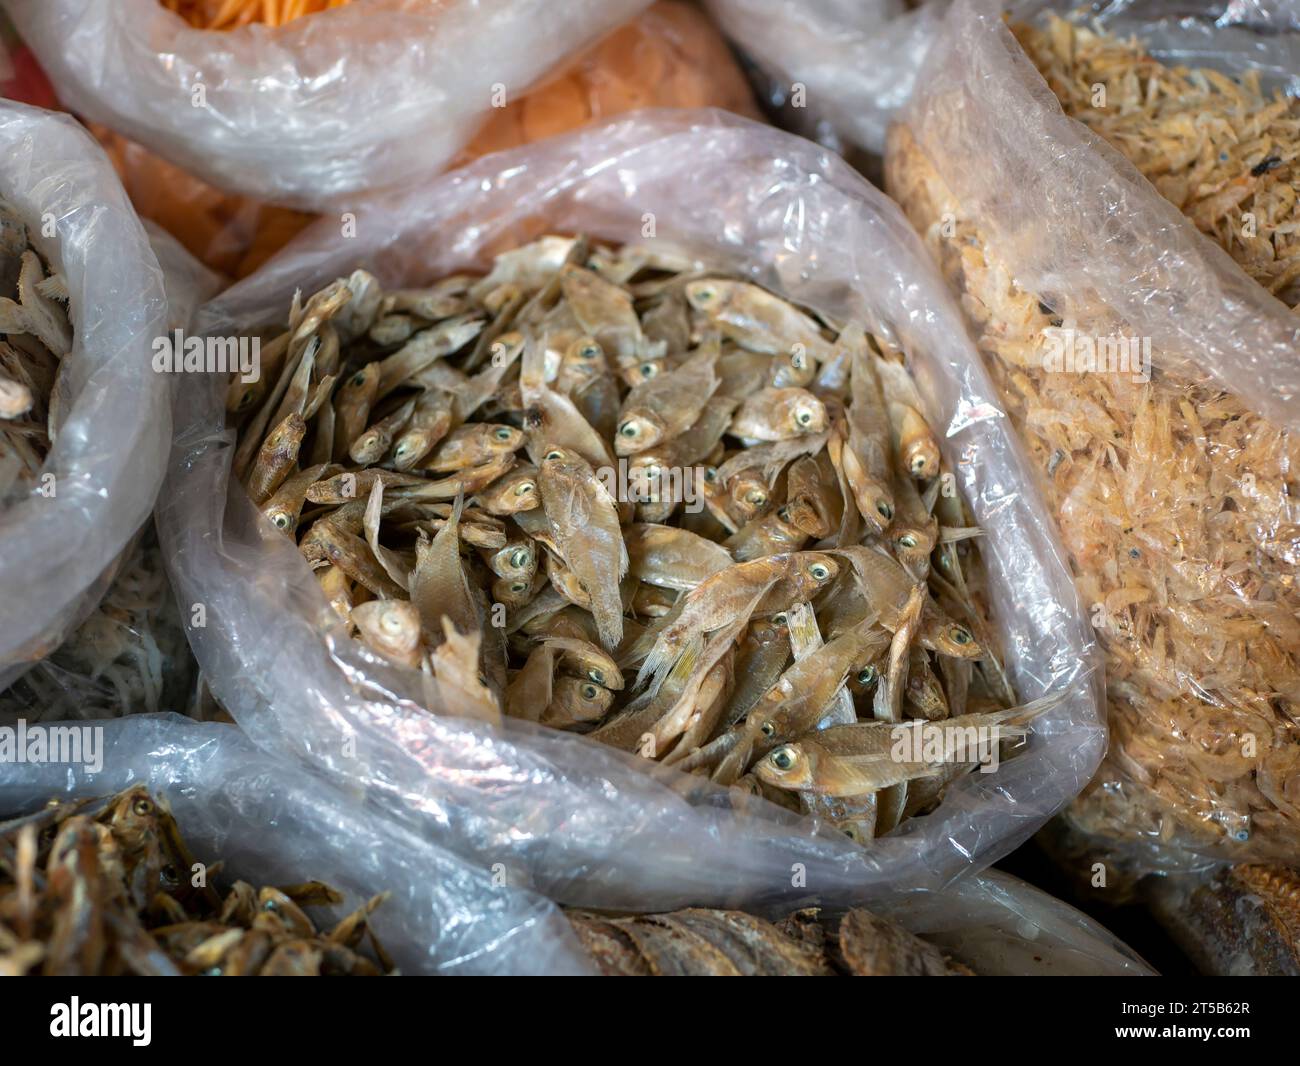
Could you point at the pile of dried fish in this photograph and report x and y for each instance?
(1221, 149)
(35, 335)
(610, 492)
(113, 892)
(1175, 500)
(709, 943)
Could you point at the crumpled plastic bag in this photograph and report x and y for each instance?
(57, 552)
(273, 823)
(314, 113)
(582, 823)
(667, 56)
(856, 60)
(270, 822)
(1175, 498)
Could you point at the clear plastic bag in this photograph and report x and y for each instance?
(577, 821)
(272, 823)
(318, 111)
(667, 56)
(57, 551)
(1001, 926)
(857, 60)
(1174, 495)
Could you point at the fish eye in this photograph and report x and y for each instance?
(780, 619)
(918, 464)
(518, 586)
(502, 433)
(907, 540)
(783, 758)
(960, 635)
(168, 875)
(628, 429)
(820, 571)
(866, 675)
(524, 488)
(757, 497)
(767, 729)
(589, 692)
(281, 520)
(596, 676)
(358, 378)
(589, 351)
(886, 512)
(519, 557)
(704, 294)
(555, 454)
(797, 361)
(803, 417)
(142, 807)
(711, 474)
(648, 370)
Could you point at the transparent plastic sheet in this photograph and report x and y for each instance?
(274, 823)
(128, 654)
(856, 59)
(669, 55)
(318, 111)
(56, 551)
(1230, 37)
(1022, 204)
(1002, 927)
(582, 823)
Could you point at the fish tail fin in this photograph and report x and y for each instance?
(665, 658)
(1026, 713)
(609, 624)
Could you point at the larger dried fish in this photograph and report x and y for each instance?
(656, 476)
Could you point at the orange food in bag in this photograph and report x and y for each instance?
(231, 14)
(669, 56)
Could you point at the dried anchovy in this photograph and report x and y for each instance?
(105, 888)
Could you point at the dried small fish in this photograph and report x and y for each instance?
(605, 492)
(95, 888)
